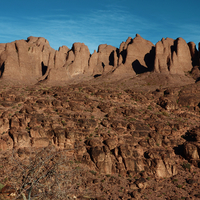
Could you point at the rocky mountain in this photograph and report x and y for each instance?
(33, 60)
(117, 124)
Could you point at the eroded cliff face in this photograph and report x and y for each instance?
(26, 60)
(33, 60)
(174, 56)
(135, 56)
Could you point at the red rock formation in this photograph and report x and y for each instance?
(103, 61)
(33, 60)
(122, 50)
(61, 56)
(81, 58)
(194, 53)
(133, 57)
(25, 60)
(172, 56)
(95, 67)
(76, 62)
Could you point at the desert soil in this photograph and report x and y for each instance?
(131, 136)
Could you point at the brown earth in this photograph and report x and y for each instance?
(139, 140)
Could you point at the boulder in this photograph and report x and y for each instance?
(106, 54)
(123, 50)
(136, 54)
(4, 125)
(39, 142)
(9, 62)
(191, 150)
(195, 72)
(6, 142)
(163, 55)
(168, 103)
(20, 138)
(102, 159)
(111, 143)
(192, 146)
(161, 163)
(8, 189)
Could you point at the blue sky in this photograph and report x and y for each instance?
(93, 22)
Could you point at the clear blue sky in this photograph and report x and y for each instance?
(93, 22)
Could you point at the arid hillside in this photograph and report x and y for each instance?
(118, 124)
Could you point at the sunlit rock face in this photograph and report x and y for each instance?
(173, 56)
(33, 60)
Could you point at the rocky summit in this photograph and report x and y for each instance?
(33, 60)
(118, 124)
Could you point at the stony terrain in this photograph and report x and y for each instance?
(136, 144)
(132, 128)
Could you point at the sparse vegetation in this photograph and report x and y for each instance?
(112, 139)
(186, 165)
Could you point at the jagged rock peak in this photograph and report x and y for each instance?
(139, 39)
(33, 60)
(172, 56)
(37, 40)
(63, 49)
(135, 56)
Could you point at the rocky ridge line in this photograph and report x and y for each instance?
(33, 60)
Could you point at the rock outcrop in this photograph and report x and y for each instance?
(194, 53)
(173, 56)
(192, 146)
(33, 60)
(76, 62)
(127, 139)
(105, 132)
(103, 61)
(135, 56)
(26, 61)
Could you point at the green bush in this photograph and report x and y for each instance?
(1, 186)
(186, 165)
